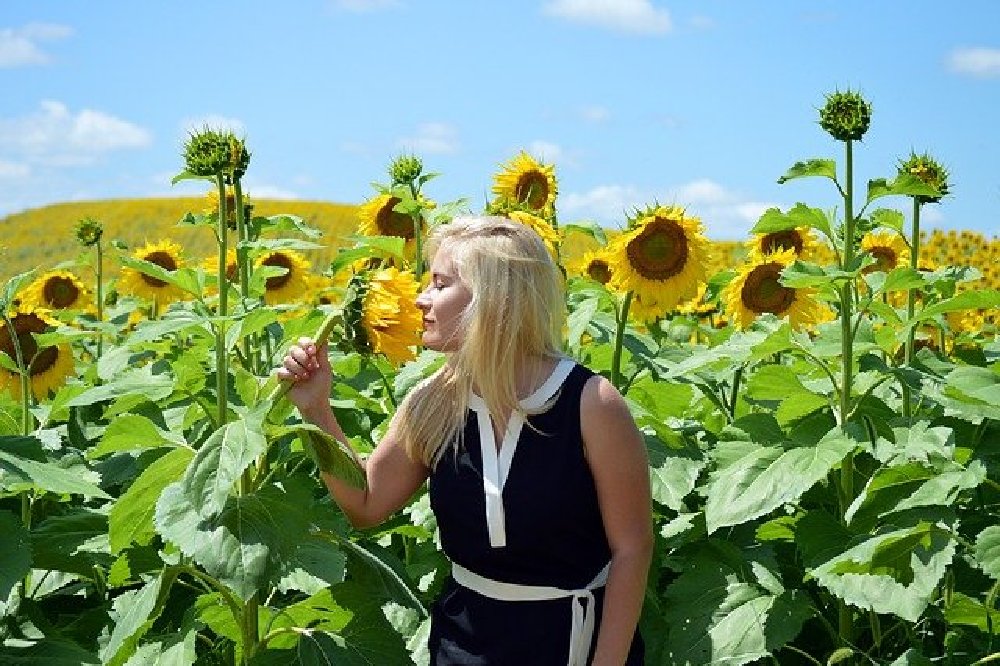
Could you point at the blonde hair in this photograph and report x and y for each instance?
(516, 312)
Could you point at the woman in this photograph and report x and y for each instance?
(538, 475)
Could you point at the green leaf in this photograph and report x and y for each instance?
(825, 168)
(184, 279)
(13, 287)
(131, 517)
(902, 279)
(245, 546)
(988, 299)
(978, 383)
(966, 611)
(15, 556)
(130, 432)
(47, 652)
(758, 479)
(903, 185)
(132, 615)
(187, 175)
(888, 218)
(988, 551)
(724, 609)
(286, 222)
(49, 476)
(75, 542)
(315, 565)
(892, 573)
(330, 454)
(801, 274)
(586, 227)
(799, 215)
(579, 320)
(172, 650)
(220, 462)
(138, 382)
(672, 475)
(781, 383)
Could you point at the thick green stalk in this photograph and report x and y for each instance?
(616, 358)
(100, 296)
(845, 615)
(911, 306)
(221, 367)
(243, 269)
(321, 336)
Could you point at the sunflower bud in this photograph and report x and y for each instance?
(928, 170)
(89, 231)
(405, 169)
(846, 116)
(213, 152)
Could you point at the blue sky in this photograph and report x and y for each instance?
(703, 104)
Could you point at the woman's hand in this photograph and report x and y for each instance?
(307, 365)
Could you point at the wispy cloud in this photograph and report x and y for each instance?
(632, 16)
(20, 47)
(726, 213)
(594, 113)
(13, 170)
(983, 63)
(432, 138)
(546, 151)
(363, 6)
(56, 136)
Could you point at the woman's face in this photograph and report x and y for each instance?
(443, 302)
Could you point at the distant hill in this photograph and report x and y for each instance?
(44, 237)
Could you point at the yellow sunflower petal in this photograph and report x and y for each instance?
(548, 235)
(887, 248)
(390, 317)
(800, 239)
(48, 367)
(294, 284)
(377, 218)
(167, 255)
(756, 290)
(58, 290)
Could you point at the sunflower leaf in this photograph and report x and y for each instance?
(588, 228)
(988, 299)
(13, 287)
(184, 279)
(187, 175)
(15, 556)
(285, 222)
(903, 185)
(330, 454)
(131, 518)
(825, 168)
(889, 218)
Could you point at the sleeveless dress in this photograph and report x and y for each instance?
(544, 529)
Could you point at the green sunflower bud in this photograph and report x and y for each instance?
(928, 170)
(846, 116)
(211, 152)
(89, 231)
(355, 338)
(405, 169)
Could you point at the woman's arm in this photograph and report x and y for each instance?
(392, 476)
(617, 457)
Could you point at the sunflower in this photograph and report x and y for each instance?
(212, 208)
(58, 290)
(48, 368)
(377, 218)
(661, 258)
(800, 239)
(293, 285)
(757, 289)
(167, 255)
(529, 183)
(698, 305)
(381, 313)
(888, 249)
(211, 266)
(595, 265)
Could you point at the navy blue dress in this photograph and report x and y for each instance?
(554, 536)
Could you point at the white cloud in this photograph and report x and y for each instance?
(362, 6)
(13, 170)
(726, 214)
(546, 152)
(213, 121)
(19, 47)
(432, 138)
(981, 63)
(56, 136)
(594, 114)
(636, 16)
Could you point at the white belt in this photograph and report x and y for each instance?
(583, 616)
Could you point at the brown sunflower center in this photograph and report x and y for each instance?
(660, 251)
(763, 293)
(532, 189)
(393, 223)
(278, 281)
(164, 260)
(789, 239)
(885, 259)
(599, 271)
(60, 292)
(24, 326)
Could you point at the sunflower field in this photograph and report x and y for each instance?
(820, 405)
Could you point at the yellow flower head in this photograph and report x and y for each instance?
(889, 250)
(381, 315)
(211, 266)
(757, 289)
(595, 265)
(545, 231)
(661, 258)
(47, 368)
(293, 285)
(167, 255)
(800, 239)
(529, 183)
(58, 290)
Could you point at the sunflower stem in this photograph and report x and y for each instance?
(100, 297)
(616, 358)
(241, 266)
(221, 369)
(418, 239)
(911, 307)
(322, 334)
(737, 375)
(845, 615)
